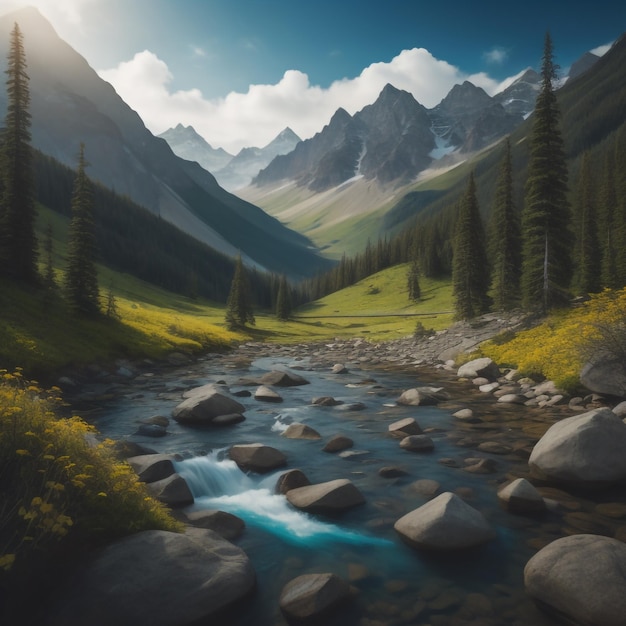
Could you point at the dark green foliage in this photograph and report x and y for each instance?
(239, 311)
(470, 267)
(48, 277)
(588, 259)
(283, 300)
(18, 244)
(413, 282)
(505, 240)
(608, 231)
(111, 309)
(547, 240)
(81, 276)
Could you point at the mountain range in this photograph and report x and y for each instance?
(71, 104)
(231, 172)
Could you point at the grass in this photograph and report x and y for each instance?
(38, 334)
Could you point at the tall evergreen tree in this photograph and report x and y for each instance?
(470, 267)
(413, 281)
(18, 244)
(505, 239)
(48, 276)
(238, 307)
(283, 300)
(547, 240)
(81, 276)
(588, 261)
(608, 230)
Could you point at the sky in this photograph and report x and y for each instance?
(240, 71)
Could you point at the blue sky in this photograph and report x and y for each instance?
(241, 70)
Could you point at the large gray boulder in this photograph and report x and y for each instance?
(204, 404)
(257, 457)
(581, 578)
(334, 496)
(158, 578)
(479, 368)
(423, 396)
(605, 376)
(444, 523)
(583, 450)
(313, 597)
(152, 467)
(173, 491)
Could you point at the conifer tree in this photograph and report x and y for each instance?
(608, 230)
(238, 307)
(547, 240)
(111, 305)
(18, 244)
(470, 267)
(588, 261)
(283, 300)
(413, 281)
(81, 276)
(48, 277)
(505, 240)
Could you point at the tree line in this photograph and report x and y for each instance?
(562, 242)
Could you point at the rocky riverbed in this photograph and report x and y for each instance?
(480, 444)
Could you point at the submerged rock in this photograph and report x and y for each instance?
(423, 396)
(159, 578)
(417, 443)
(581, 578)
(337, 443)
(445, 523)
(313, 596)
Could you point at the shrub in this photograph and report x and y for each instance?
(60, 489)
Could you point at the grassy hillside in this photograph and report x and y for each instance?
(37, 333)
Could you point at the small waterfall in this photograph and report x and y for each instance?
(219, 484)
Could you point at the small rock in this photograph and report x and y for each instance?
(392, 472)
(337, 443)
(257, 457)
(225, 524)
(301, 431)
(265, 394)
(417, 443)
(313, 597)
(291, 480)
(520, 496)
(326, 401)
(408, 426)
(339, 368)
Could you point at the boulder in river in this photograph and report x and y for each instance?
(173, 491)
(417, 443)
(423, 396)
(479, 368)
(334, 496)
(520, 496)
(257, 458)
(158, 578)
(444, 523)
(408, 426)
(204, 404)
(337, 443)
(605, 376)
(291, 479)
(152, 467)
(278, 378)
(301, 431)
(580, 578)
(225, 524)
(265, 394)
(585, 450)
(312, 597)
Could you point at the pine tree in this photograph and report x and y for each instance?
(48, 277)
(238, 308)
(470, 267)
(413, 281)
(547, 240)
(588, 261)
(81, 276)
(505, 240)
(283, 300)
(111, 305)
(18, 243)
(608, 231)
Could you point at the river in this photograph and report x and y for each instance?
(394, 584)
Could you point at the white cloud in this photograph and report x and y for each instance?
(255, 117)
(496, 56)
